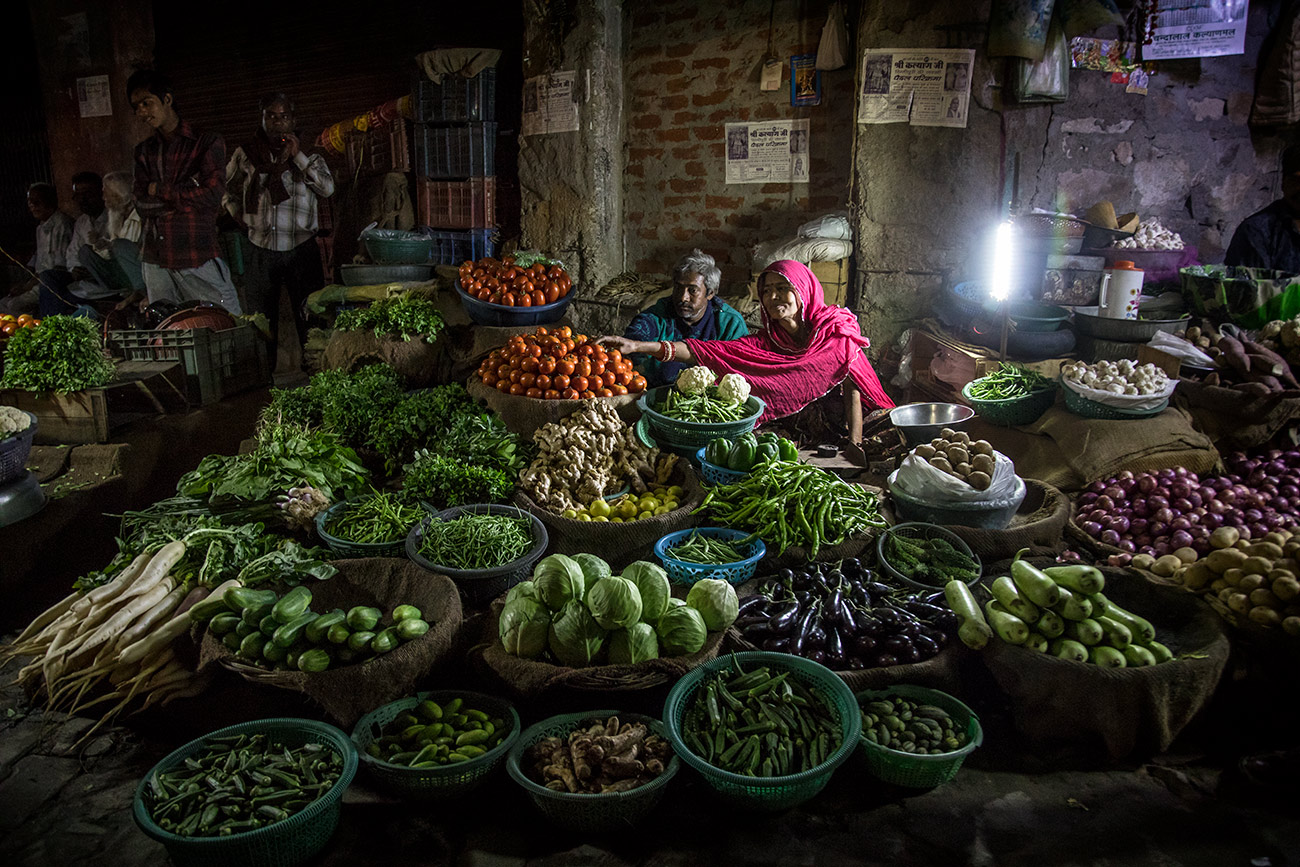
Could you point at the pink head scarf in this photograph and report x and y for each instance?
(789, 377)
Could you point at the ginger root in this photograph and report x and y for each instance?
(603, 756)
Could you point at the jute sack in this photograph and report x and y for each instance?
(524, 415)
(1234, 419)
(1039, 525)
(530, 678)
(420, 363)
(620, 544)
(350, 691)
(1125, 711)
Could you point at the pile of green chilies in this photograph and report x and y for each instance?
(794, 504)
(382, 517)
(240, 783)
(706, 550)
(703, 408)
(477, 541)
(1008, 382)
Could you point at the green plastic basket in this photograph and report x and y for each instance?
(769, 793)
(1012, 411)
(1080, 405)
(589, 813)
(685, 437)
(909, 769)
(345, 548)
(447, 781)
(290, 842)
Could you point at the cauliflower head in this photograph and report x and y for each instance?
(734, 388)
(12, 421)
(694, 380)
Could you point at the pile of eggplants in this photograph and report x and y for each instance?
(842, 617)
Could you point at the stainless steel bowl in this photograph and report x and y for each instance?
(370, 275)
(921, 422)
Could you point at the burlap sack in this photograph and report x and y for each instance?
(620, 544)
(1125, 711)
(1234, 419)
(528, 679)
(862, 547)
(1038, 525)
(349, 692)
(420, 363)
(524, 415)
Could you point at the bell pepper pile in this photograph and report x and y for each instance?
(747, 452)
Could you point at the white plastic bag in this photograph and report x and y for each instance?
(1123, 401)
(833, 51)
(1177, 346)
(916, 478)
(802, 250)
(834, 226)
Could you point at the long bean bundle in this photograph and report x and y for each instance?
(381, 517)
(477, 541)
(706, 550)
(702, 407)
(795, 504)
(1008, 382)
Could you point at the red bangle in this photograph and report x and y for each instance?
(667, 352)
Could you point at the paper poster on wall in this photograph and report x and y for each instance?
(805, 80)
(772, 152)
(550, 104)
(920, 86)
(1103, 55)
(93, 96)
(1197, 28)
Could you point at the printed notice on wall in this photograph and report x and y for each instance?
(550, 104)
(1197, 28)
(923, 87)
(93, 97)
(773, 152)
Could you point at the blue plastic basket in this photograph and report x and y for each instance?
(452, 248)
(455, 98)
(485, 313)
(684, 572)
(716, 475)
(455, 151)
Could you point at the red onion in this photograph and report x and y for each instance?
(1281, 504)
(1258, 529)
(1118, 524)
(1092, 528)
(1147, 484)
(1182, 504)
(1253, 516)
(1087, 499)
(1180, 523)
(1164, 516)
(1127, 545)
(1115, 492)
(1160, 549)
(1146, 549)
(1097, 487)
(1157, 501)
(1125, 475)
(1157, 528)
(1110, 537)
(1104, 503)
(1181, 539)
(1138, 526)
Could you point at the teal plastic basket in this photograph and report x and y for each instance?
(714, 474)
(684, 572)
(910, 769)
(769, 793)
(290, 842)
(685, 437)
(596, 813)
(345, 548)
(1012, 411)
(446, 781)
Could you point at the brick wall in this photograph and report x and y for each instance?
(692, 66)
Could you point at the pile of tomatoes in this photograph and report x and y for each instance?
(501, 281)
(10, 323)
(556, 364)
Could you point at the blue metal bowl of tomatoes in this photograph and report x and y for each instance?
(487, 313)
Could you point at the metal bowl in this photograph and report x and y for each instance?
(370, 275)
(921, 422)
(1087, 322)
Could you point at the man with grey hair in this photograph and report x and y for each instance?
(692, 310)
(107, 265)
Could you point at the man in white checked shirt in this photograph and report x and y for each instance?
(272, 188)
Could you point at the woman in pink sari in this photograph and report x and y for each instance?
(806, 348)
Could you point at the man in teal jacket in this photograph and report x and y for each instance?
(693, 310)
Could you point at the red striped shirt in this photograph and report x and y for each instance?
(189, 171)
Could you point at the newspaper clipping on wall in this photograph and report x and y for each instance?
(1197, 28)
(550, 104)
(920, 86)
(771, 152)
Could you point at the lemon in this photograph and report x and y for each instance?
(583, 516)
(662, 510)
(601, 519)
(676, 492)
(616, 520)
(627, 508)
(569, 513)
(671, 504)
(649, 503)
(645, 515)
(599, 509)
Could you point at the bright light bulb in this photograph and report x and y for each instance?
(1004, 250)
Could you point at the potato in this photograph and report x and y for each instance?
(941, 464)
(1276, 573)
(1223, 559)
(1239, 602)
(1242, 544)
(963, 469)
(1265, 616)
(1251, 582)
(958, 455)
(1142, 561)
(1267, 550)
(1227, 593)
(1291, 625)
(938, 444)
(982, 447)
(1224, 537)
(1233, 577)
(1257, 566)
(1264, 596)
(1187, 555)
(1291, 549)
(947, 433)
(925, 452)
(1165, 566)
(1197, 576)
(980, 481)
(1277, 537)
(1218, 585)
(1286, 588)
(983, 463)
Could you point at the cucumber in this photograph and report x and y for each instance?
(231, 641)
(411, 628)
(1086, 631)
(1006, 625)
(314, 660)
(1081, 579)
(251, 646)
(1066, 648)
(360, 641)
(338, 634)
(1106, 657)
(317, 629)
(1050, 623)
(385, 641)
(293, 605)
(204, 611)
(243, 629)
(407, 612)
(239, 598)
(267, 625)
(273, 652)
(254, 614)
(363, 618)
(224, 622)
(1072, 606)
(1004, 590)
(1137, 656)
(1159, 652)
(1118, 635)
(1037, 587)
(289, 632)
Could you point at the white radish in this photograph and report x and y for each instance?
(160, 637)
(154, 615)
(127, 615)
(161, 564)
(48, 616)
(107, 591)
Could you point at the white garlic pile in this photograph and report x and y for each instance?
(1117, 377)
(1150, 235)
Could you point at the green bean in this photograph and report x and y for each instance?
(706, 549)
(701, 407)
(381, 517)
(1009, 381)
(473, 541)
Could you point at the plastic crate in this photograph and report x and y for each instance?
(381, 149)
(456, 204)
(455, 98)
(452, 248)
(455, 151)
(686, 572)
(217, 363)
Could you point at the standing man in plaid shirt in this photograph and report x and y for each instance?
(271, 188)
(180, 177)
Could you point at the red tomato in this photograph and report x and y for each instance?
(515, 375)
(539, 298)
(527, 380)
(623, 378)
(604, 392)
(578, 383)
(503, 385)
(569, 394)
(546, 364)
(587, 395)
(503, 372)
(533, 392)
(598, 368)
(551, 394)
(618, 389)
(552, 292)
(560, 381)
(517, 388)
(610, 378)
(525, 299)
(584, 367)
(638, 383)
(566, 366)
(543, 381)
(565, 332)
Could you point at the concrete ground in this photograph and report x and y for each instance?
(67, 804)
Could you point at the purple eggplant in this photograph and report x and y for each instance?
(834, 647)
(803, 628)
(752, 604)
(783, 618)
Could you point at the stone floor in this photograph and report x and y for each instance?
(63, 803)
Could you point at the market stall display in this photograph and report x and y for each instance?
(1011, 395)
(559, 366)
(953, 479)
(404, 316)
(693, 412)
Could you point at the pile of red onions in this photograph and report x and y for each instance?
(1158, 513)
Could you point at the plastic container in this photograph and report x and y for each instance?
(1012, 411)
(391, 247)
(452, 248)
(370, 275)
(455, 151)
(1088, 321)
(446, 781)
(455, 98)
(920, 771)
(14, 450)
(716, 475)
(684, 572)
(343, 547)
(485, 313)
(217, 363)
(292, 841)
(1032, 316)
(685, 437)
(593, 813)
(768, 793)
(920, 530)
(482, 585)
(456, 204)
(984, 516)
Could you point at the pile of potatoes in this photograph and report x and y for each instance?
(1256, 579)
(956, 454)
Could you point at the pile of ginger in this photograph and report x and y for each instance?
(598, 758)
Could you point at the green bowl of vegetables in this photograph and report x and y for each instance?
(374, 525)
(685, 437)
(485, 549)
(1010, 396)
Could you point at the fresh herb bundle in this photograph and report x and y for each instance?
(447, 481)
(402, 316)
(418, 419)
(62, 354)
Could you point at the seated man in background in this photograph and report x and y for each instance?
(53, 234)
(1270, 238)
(107, 264)
(692, 310)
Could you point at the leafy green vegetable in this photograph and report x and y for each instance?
(418, 419)
(559, 579)
(403, 316)
(62, 354)
(482, 438)
(446, 481)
